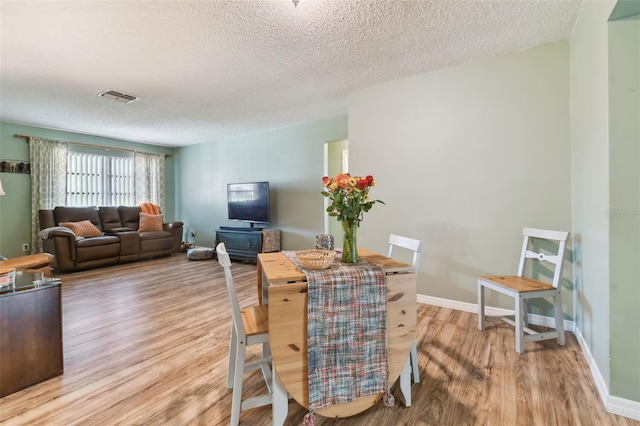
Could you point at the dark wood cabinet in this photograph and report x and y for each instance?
(245, 245)
(30, 336)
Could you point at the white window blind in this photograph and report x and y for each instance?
(99, 180)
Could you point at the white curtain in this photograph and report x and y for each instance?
(149, 177)
(48, 180)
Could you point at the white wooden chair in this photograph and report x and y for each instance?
(249, 326)
(415, 246)
(523, 288)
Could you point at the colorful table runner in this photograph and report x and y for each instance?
(346, 332)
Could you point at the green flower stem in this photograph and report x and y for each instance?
(350, 243)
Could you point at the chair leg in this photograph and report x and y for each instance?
(233, 347)
(557, 308)
(525, 316)
(414, 363)
(280, 401)
(266, 350)
(236, 399)
(480, 306)
(519, 323)
(266, 368)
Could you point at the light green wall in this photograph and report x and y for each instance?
(291, 159)
(15, 206)
(466, 157)
(590, 177)
(624, 218)
(605, 147)
(625, 9)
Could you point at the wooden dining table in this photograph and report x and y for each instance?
(284, 287)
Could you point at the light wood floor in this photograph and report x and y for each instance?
(146, 344)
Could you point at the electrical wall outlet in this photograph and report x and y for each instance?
(193, 233)
(25, 247)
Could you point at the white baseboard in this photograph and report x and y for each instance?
(623, 407)
(489, 310)
(613, 404)
(461, 306)
(600, 383)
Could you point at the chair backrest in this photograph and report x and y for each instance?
(225, 262)
(559, 237)
(409, 244)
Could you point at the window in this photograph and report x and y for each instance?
(100, 180)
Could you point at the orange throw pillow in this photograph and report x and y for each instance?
(84, 228)
(150, 222)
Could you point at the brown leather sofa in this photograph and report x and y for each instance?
(119, 241)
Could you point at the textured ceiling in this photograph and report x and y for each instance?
(207, 70)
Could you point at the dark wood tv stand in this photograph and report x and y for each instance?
(246, 243)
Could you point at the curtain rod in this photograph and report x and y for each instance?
(96, 146)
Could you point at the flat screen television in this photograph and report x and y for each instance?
(248, 202)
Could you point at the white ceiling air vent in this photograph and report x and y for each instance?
(117, 96)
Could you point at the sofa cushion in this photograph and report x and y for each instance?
(76, 214)
(102, 241)
(155, 235)
(83, 228)
(47, 218)
(109, 218)
(97, 248)
(153, 242)
(150, 222)
(129, 216)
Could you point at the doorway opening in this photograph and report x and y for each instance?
(336, 160)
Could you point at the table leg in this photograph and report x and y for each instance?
(259, 281)
(480, 306)
(264, 287)
(280, 401)
(405, 383)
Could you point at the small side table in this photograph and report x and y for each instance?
(30, 332)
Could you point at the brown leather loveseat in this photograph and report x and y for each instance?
(122, 235)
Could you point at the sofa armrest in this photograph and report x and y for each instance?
(61, 243)
(56, 231)
(176, 229)
(168, 226)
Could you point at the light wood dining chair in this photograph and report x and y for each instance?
(415, 246)
(249, 326)
(523, 288)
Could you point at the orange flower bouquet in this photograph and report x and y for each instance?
(349, 197)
